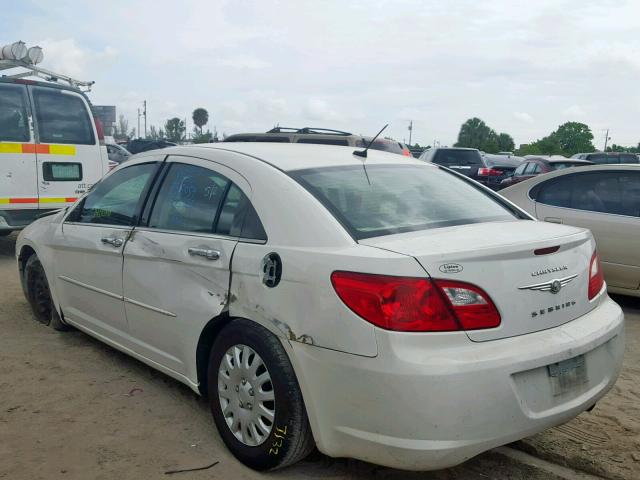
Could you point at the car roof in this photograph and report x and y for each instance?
(298, 156)
(565, 160)
(456, 148)
(40, 83)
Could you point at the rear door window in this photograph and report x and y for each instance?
(520, 170)
(62, 117)
(238, 218)
(628, 158)
(188, 199)
(14, 119)
(605, 192)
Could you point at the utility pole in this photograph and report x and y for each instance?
(606, 139)
(410, 131)
(139, 136)
(145, 118)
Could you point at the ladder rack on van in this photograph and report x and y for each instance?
(48, 75)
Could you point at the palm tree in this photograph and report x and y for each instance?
(200, 118)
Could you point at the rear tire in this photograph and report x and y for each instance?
(264, 422)
(39, 295)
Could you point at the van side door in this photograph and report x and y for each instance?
(69, 161)
(18, 175)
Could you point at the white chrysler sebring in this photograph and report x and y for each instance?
(378, 308)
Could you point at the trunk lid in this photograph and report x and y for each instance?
(499, 258)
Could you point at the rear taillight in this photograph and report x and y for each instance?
(596, 277)
(99, 130)
(410, 304)
(406, 152)
(489, 172)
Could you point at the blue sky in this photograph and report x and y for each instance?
(524, 67)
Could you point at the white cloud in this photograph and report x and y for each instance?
(353, 65)
(574, 111)
(523, 117)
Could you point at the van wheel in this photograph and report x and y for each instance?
(255, 398)
(39, 295)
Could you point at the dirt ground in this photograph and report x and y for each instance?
(73, 408)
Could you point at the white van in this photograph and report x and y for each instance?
(51, 149)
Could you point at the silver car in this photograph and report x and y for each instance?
(603, 198)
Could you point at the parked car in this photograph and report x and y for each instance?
(140, 145)
(51, 149)
(488, 170)
(117, 153)
(602, 198)
(399, 314)
(320, 136)
(534, 166)
(607, 157)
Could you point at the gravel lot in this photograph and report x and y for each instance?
(73, 408)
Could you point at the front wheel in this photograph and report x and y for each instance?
(39, 295)
(255, 398)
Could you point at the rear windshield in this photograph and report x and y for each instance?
(381, 144)
(389, 199)
(62, 117)
(457, 157)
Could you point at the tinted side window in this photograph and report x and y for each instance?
(14, 120)
(556, 192)
(520, 170)
(62, 117)
(238, 218)
(529, 168)
(116, 200)
(611, 192)
(628, 158)
(536, 168)
(324, 141)
(188, 199)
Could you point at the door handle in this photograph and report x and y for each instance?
(204, 252)
(552, 219)
(113, 241)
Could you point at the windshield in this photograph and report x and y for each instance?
(457, 157)
(399, 198)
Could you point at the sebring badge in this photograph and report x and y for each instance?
(553, 286)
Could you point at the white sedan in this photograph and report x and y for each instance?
(379, 308)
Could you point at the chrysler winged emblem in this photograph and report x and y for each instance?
(553, 286)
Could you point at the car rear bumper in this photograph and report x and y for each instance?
(431, 401)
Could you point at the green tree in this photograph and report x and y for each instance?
(506, 143)
(155, 133)
(174, 129)
(200, 118)
(199, 137)
(121, 129)
(574, 137)
(474, 133)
